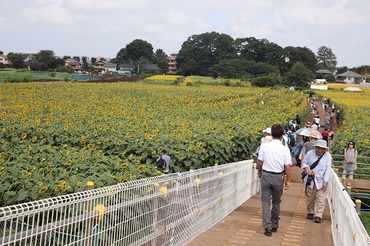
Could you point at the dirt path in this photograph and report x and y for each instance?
(333, 124)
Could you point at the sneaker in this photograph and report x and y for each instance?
(310, 216)
(268, 232)
(317, 220)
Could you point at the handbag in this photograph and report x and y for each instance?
(304, 173)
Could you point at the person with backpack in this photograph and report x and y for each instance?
(350, 161)
(297, 151)
(163, 162)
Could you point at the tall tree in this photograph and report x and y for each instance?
(48, 60)
(159, 54)
(137, 52)
(242, 68)
(16, 60)
(160, 58)
(292, 55)
(93, 60)
(85, 64)
(199, 53)
(259, 50)
(299, 75)
(326, 58)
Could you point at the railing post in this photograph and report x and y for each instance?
(88, 222)
(348, 188)
(358, 206)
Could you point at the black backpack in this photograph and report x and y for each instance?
(291, 139)
(161, 163)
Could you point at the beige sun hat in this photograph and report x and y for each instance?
(321, 144)
(314, 134)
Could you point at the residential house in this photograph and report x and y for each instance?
(349, 77)
(29, 57)
(99, 65)
(172, 64)
(74, 64)
(127, 69)
(150, 68)
(4, 59)
(110, 67)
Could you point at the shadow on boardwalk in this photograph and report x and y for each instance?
(244, 225)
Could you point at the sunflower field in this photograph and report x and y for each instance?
(355, 108)
(57, 136)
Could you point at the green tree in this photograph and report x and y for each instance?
(259, 50)
(160, 58)
(16, 60)
(199, 53)
(85, 64)
(47, 60)
(264, 81)
(299, 75)
(342, 69)
(292, 55)
(93, 60)
(242, 68)
(137, 52)
(326, 58)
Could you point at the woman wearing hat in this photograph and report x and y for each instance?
(316, 191)
(309, 145)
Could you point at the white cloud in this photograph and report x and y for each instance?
(339, 24)
(48, 11)
(3, 23)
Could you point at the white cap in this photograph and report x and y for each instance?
(267, 130)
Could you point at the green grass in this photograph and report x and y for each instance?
(24, 75)
(365, 218)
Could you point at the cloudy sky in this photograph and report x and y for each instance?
(101, 28)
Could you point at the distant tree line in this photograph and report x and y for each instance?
(218, 55)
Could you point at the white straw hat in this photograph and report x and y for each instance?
(321, 144)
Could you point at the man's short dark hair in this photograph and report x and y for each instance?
(164, 151)
(277, 130)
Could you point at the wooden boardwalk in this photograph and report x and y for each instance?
(244, 225)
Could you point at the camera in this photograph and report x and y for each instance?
(309, 180)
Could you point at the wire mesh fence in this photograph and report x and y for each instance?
(347, 228)
(166, 210)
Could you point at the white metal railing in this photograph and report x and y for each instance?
(166, 210)
(363, 166)
(346, 226)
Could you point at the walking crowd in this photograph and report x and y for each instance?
(279, 151)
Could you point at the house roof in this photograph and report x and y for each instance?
(72, 60)
(350, 75)
(126, 65)
(324, 71)
(150, 67)
(110, 65)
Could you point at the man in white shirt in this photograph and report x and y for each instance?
(274, 162)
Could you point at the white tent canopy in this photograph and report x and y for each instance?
(352, 88)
